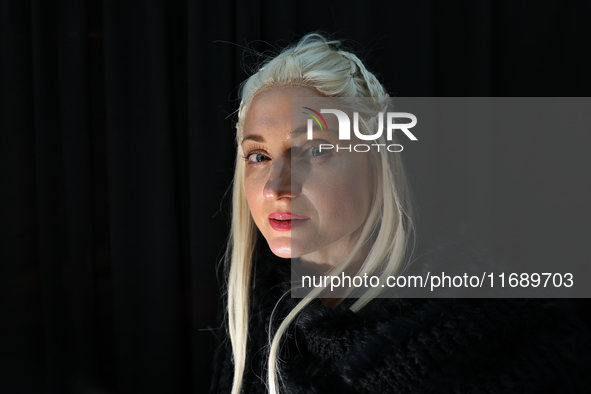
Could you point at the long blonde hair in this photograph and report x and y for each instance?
(320, 64)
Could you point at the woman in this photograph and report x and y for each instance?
(343, 212)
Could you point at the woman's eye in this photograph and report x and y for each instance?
(316, 151)
(257, 157)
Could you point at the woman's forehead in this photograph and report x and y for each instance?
(270, 110)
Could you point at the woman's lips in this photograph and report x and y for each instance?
(285, 221)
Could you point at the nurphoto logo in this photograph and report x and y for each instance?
(345, 129)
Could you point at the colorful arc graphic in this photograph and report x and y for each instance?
(318, 115)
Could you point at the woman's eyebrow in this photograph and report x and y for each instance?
(299, 131)
(303, 130)
(253, 137)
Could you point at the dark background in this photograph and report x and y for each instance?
(116, 149)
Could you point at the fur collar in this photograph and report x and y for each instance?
(417, 345)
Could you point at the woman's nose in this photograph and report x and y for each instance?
(280, 182)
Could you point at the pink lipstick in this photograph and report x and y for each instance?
(285, 221)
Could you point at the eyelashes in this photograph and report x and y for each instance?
(259, 158)
(258, 150)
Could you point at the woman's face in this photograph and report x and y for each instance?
(307, 203)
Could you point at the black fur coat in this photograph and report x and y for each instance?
(413, 345)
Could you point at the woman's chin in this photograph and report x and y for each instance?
(283, 252)
(291, 247)
(286, 250)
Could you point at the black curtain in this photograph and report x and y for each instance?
(116, 149)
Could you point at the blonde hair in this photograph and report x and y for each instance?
(320, 64)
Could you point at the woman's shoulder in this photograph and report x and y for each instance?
(443, 345)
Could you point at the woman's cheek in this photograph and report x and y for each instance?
(254, 198)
